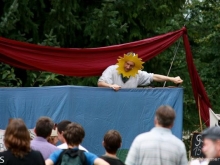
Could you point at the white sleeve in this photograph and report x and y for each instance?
(144, 78)
(107, 75)
(132, 156)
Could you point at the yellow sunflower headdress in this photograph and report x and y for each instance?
(129, 57)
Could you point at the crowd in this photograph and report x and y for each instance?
(157, 147)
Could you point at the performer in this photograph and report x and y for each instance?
(127, 74)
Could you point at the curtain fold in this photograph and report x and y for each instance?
(85, 62)
(200, 95)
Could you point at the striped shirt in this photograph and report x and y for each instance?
(157, 147)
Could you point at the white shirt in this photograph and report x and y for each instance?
(111, 76)
(64, 146)
(199, 162)
(157, 147)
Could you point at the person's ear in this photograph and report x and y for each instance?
(103, 143)
(35, 130)
(218, 145)
(155, 120)
(171, 126)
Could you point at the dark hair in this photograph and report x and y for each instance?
(165, 115)
(44, 127)
(74, 134)
(61, 126)
(17, 138)
(112, 141)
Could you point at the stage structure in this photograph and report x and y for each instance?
(130, 111)
(85, 62)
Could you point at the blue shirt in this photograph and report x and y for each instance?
(90, 157)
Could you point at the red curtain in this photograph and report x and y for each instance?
(84, 62)
(201, 98)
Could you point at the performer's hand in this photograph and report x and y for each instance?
(177, 80)
(115, 87)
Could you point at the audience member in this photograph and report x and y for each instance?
(211, 144)
(43, 130)
(17, 141)
(73, 135)
(53, 138)
(61, 127)
(112, 142)
(159, 146)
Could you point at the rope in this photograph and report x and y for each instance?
(175, 52)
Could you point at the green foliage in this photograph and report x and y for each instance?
(50, 40)
(9, 19)
(64, 20)
(87, 23)
(104, 26)
(8, 77)
(204, 23)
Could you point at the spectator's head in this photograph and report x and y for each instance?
(53, 138)
(17, 138)
(44, 127)
(112, 141)
(61, 127)
(74, 134)
(165, 116)
(129, 64)
(211, 142)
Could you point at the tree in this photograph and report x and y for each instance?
(75, 23)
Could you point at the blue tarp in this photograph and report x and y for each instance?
(130, 111)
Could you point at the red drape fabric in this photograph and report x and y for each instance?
(201, 98)
(79, 61)
(85, 62)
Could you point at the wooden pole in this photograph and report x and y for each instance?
(200, 120)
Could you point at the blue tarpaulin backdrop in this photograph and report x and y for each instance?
(130, 111)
